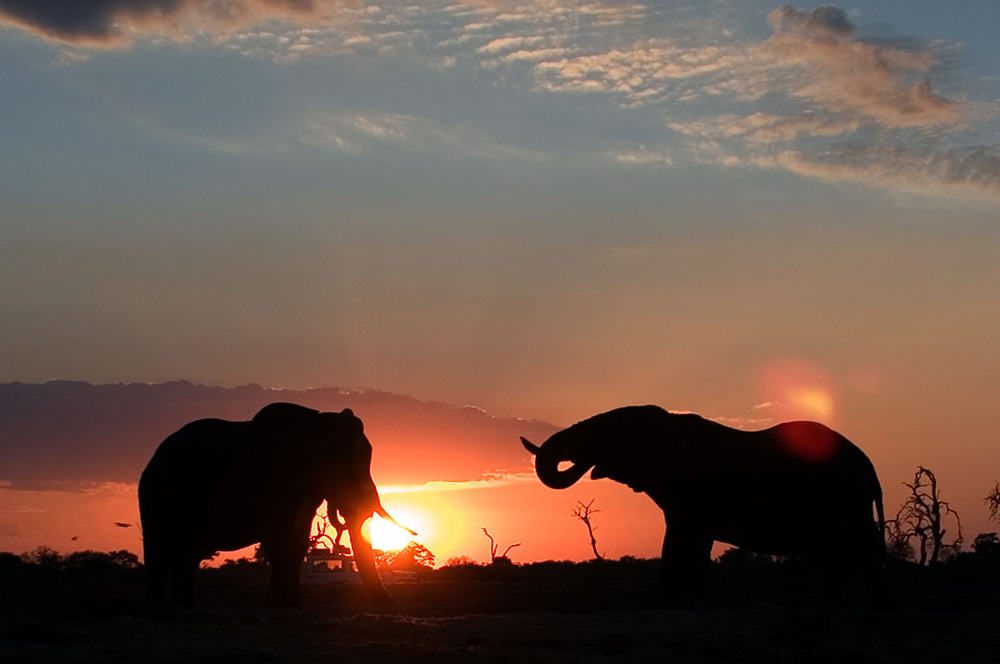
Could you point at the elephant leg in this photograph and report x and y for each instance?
(687, 555)
(832, 570)
(286, 562)
(183, 568)
(157, 566)
(869, 560)
(283, 589)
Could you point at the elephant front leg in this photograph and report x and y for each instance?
(283, 590)
(157, 566)
(183, 568)
(686, 557)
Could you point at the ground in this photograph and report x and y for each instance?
(559, 613)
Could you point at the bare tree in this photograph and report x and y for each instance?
(319, 532)
(583, 512)
(922, 517)
(494, 558)
(993, 502)
(897, 542)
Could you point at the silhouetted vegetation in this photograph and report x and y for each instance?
(992, 501)
(502, 559)
(986, 544)
(583, 512)
(922, 518)
(87, 560)
(413, 557)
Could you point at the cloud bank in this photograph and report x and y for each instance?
(112, 23)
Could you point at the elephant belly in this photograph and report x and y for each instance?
(201, 527)
(789, 525)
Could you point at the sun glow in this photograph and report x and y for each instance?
(798, 390)
(387, 536)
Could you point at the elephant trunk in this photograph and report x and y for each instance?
(547, 460)
(365, 561)
(365, 502)
(385, 515)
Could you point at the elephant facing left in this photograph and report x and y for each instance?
(216, 485)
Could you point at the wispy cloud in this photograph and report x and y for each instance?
(358, 132)
(490, 481)
(974, 171)
(764, 128)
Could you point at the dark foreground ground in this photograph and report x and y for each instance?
(555, 612)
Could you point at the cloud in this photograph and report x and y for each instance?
(841, 73)
(966, 171)
(642, 156)
(490, 481)
(636, 74)
(813, 56)
(112, 23)
(355, 132)
(764, 128)
(826, 22)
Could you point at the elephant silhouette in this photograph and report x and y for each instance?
(216, 485)
(795, 489)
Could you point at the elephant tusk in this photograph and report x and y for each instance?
(385, 515)
(530, 446)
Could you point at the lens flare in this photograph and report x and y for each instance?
(798, 390)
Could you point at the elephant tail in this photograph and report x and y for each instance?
(880, 513)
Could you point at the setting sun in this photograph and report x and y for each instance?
(387, 536)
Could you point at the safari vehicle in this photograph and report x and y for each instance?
(323, 567)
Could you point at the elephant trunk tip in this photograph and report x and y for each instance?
(385, 515)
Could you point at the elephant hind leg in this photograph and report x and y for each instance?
(832, 570)
(870, 563)
(687, 556)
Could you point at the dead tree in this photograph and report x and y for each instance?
(922, 517)
(993, 502)
(502, 558)
(319, 535)
(583, 511)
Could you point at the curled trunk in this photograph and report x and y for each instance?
(547, 460)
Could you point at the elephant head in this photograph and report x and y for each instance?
(329, 457)
(603, 443)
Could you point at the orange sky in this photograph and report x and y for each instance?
(515, 507)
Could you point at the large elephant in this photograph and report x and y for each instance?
(216, 485)
(795, 489)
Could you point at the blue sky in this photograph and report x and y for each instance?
(546, 209)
